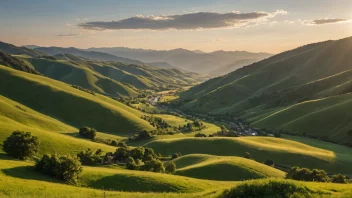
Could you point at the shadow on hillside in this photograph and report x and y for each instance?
(29, 173)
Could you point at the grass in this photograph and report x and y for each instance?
(283, 152)
(22, 181)
(73, 107)
(223, 168)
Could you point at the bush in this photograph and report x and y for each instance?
(144, 135)
(122, 144)
(114, 143)
(170, 167)
(339, 179)
(282, 189)
(304, 174)
(175, 156)
(87, 132)
(248, 155)
(89, 157)
(66, 168)
(131, 164)
(269, 162)
(21, 145)
(154, 165)
(200, 135)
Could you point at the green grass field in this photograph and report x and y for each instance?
(223, 168)
(282, 151)
(22, 181)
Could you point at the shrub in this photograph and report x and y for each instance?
(200, 135)
(87, 132)
(269, 162)
(304, 174)
(21, 145)
(66, 168)
(175, 156)
(131, 164)
(144, 135)
(170, 167)
(122, 144)
(114, 143)
(154, 165)
(248, 155)
(121, 154)
(282, 189)
(89, 157)
(339, 179)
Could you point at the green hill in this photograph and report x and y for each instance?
(69, 105)
(12, 49)
(282, 88)
(15, 63)
(223, 168)
(333, 159)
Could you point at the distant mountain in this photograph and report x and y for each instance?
(98, 56)
(307, 91)
(31, 46)
(195, 61)
(232, 67)
(161, 65)
(12, 49)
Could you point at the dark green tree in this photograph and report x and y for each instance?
(170, 167)
(21, 145)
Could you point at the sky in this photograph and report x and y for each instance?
(269, 26)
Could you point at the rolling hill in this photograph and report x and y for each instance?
(332, 158)
(69, 105)
(223, 168)
(297, 88)
(93, 55)
(12, 49)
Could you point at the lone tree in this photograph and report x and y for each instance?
(170, 167)
(269, 162)
(87, 132)
(66, 168)
(21, 145)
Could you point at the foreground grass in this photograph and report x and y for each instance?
(22, 181)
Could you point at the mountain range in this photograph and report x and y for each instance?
(195, 61)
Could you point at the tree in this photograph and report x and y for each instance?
(137, 153)
(66, 168)
(175, 155)
(170, 167)
(269, 162)
(87, 132)
(121, 154)
(154, 165)
(21, 145)
(89, 157)
(122, 144)
(339, 179)
(131, 164)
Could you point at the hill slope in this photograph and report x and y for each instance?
(69, 105)
(281, 83)
(223, 168)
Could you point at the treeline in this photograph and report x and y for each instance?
(83, 89)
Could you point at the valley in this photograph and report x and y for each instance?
(105, 122)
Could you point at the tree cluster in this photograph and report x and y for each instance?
(90, 157)
(305, 174)
(143, 135)
(87, 132)
(156, 122)
(65, 168)
(83, 89)
(195, 125)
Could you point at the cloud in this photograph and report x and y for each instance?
(67, 35)
(189, 21)
(81, 19)
(325, 21)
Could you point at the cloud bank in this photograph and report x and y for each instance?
(190, 21)
(326, 21)
(67, 35)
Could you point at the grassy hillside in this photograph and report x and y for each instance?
(13, 62)
(223, 168)
(284, 152)
(286, 92)
(12, 49)
(70, 105)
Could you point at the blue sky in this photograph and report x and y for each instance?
(55, 23)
